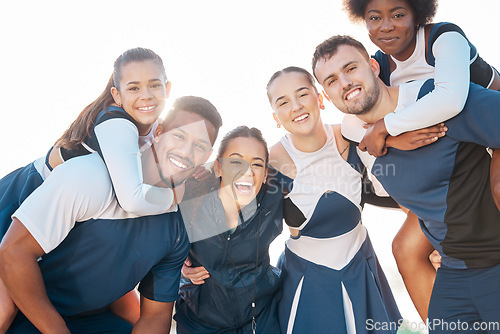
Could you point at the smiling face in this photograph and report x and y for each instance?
(142, 93)
(295, 102)
(391, 27)
(243, 169)
(349, 80)
(184, 146)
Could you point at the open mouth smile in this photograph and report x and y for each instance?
(177, 163)
(243, 187)
(352, 94)
(146, 109)
(301, 118)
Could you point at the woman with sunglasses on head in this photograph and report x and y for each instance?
(413, 48)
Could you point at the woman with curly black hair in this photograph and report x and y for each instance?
(424, 10)
(413, 48)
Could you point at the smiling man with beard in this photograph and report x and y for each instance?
(72, 250)
(446, 183)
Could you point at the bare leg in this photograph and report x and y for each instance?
(495, 177)
(8, 309)
(411, 250)
(128, 307)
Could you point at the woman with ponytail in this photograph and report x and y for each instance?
(121, 120)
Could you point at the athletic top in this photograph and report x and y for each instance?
(116, 138)
(58, 200)
(108, 251)
(224, 300)
(94, 198)
(446, 184)
(329, 269)
(451, 60)
(322, 173)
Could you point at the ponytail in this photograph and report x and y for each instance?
(83, 124)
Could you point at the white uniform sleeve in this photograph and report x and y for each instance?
(78, 190)
(451, 81)
(118, 140)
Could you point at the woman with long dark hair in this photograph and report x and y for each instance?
(116, 124)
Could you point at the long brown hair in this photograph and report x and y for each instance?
(83, 124)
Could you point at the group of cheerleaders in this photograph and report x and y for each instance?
(330, 280)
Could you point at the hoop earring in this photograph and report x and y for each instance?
(278, 125)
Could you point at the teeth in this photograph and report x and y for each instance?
(246, 184)
(178, 163)
(300, 118)
(146, 108)
(352, 94)
(244, 187)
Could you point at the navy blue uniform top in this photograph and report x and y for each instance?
(102, 259)
(224, 300)
(95, 251)
(446, 184)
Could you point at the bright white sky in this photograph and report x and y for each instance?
(58, 55)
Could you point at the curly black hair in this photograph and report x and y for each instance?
(424, 10)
